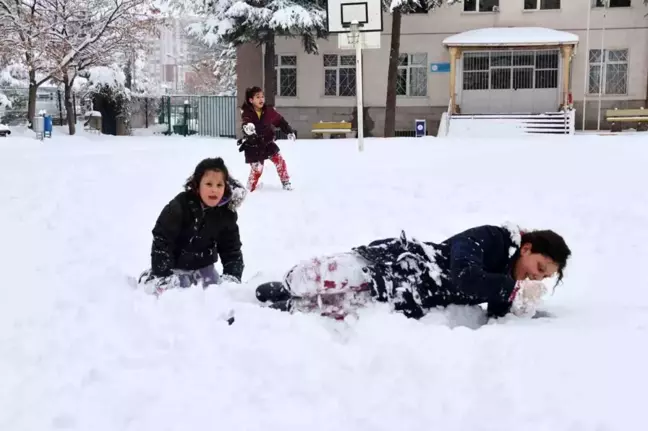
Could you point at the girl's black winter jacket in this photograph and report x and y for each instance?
(189, 235)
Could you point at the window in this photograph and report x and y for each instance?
(169, 73)
(613, 3)
(541, 4)
(476, 66)
(505, 70)
(614, 64)
(412, 75)
(339, 75)
(546, 69)
(286, 67)
(480, 5)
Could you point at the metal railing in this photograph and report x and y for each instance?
(199, 115)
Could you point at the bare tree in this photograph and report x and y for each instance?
(87, 34)
(55, 36)
(25, 30)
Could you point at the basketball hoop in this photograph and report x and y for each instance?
(353, 37)
(359, 24)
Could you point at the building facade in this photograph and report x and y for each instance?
(174, 53)
(508, 77)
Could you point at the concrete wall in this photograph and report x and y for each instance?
(249, 72)
(592, 112)
(626, 28)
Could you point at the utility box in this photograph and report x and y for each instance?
(420, 128)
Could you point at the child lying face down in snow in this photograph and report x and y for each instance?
(194, 229)
(500, 266)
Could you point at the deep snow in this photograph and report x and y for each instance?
(81, 350)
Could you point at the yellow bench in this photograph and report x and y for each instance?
(616, 116)
(328, 128)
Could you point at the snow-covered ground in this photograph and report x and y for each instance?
(81, 350)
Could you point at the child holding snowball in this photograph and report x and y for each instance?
(499, 266)
(258, 142)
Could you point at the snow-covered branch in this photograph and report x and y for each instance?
(236, 22)
(90, 32)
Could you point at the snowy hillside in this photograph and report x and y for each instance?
(81, 350)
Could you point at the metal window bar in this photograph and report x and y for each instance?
(339, 75)
(286, 69)
(412, 75)
(504, 70)
(613, 65)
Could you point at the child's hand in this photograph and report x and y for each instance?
(226, 278)
(528, 297)
(238, 195)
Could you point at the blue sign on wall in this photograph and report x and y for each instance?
(439, 67)
(420, 128)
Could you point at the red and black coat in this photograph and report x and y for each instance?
(261, 145)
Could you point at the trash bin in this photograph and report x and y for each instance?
(47, 126)
(39, 126)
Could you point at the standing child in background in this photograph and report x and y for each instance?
(258, 140)
(194, 229)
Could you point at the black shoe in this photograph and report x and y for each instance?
(286, 305)
(273, 291)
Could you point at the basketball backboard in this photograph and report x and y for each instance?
(340, 14)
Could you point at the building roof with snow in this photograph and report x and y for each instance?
(511, 36)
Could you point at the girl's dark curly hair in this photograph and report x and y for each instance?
(215, 164)
(548, 243)
(250, 92)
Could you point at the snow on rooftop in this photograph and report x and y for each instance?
(511, 36)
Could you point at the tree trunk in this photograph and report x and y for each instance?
(270, 77)
(128, 72)
(31, 103)
(392, 74)
(69, 108)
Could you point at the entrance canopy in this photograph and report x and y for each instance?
(515, 39)
(511, 36)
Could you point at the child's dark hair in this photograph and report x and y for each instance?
(215, 164)
(250, 92)
(548, 243)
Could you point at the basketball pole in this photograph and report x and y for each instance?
(586, 73)
(603, 66)
(355, 35)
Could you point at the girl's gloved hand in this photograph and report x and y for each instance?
(249, 129)
(226, 278)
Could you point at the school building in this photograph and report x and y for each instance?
(475, 57)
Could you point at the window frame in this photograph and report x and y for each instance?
(538, 6)
(605, 61)
(337, 69)
(279, 66)
(408, 74)
(477, 8)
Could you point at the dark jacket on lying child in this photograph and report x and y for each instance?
(469, 268)
(189, 235)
